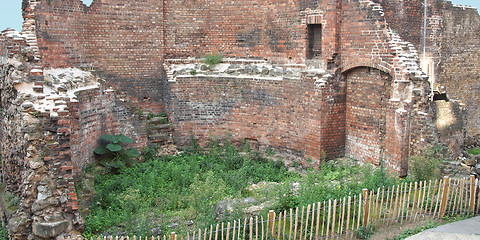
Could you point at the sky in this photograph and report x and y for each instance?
(11, 12)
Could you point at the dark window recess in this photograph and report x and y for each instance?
(314, 41)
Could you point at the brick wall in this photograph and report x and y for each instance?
(291, 115)
(459, 61)
(453, 35)
(368, 91)
(96, 112)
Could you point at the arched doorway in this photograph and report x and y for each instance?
(368, 91)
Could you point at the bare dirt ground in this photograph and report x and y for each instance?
(389, 232)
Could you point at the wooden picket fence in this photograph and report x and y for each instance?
(340, 218)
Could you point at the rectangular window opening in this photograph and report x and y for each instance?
(314, 41)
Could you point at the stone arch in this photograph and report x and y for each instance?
(367, 93)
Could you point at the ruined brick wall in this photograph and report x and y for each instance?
(368, 91)
(36, 166)
(121, 40)
(96, 112)
(295, 115)
(453, 38)
(273, 30)
(459, 61)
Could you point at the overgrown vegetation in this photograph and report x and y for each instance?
(474, 151)
(113, 155)
(3, 233)
(163, 193)
(213, 59)
(427, 165)
(365, 232)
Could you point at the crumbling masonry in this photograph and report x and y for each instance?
(308, 78)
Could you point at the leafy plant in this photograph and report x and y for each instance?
(474, 151)
(193, 72)
(213, 60)
(114, 156)
(365, 232)
(410, 232)
(3, 233)
(427, 165)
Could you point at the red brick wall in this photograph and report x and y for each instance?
(99, 112)
(121, 40)
(368, 91)
(364, 38)
(292, 115)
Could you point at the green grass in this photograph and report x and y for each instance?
(474, 151)
(188, 187)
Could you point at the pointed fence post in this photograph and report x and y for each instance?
(173, 236)
(366, 208)
(271, 216)
(443, 204)
(472, 193)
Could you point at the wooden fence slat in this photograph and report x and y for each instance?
(222, 232)
(371, 207)
(291, 225)
(312, 222)
(228, 231)
(465, 195)
(416, 203)
(460, 195)
(261, 219)
(477, 195)
(366, 208)
(381, 205)
(244, 228)
(256, 228)
(455, 196)
(296, 224)
(323, 217)
(377, 206)
(408, 201)
(234, 229)
(279, 228)
(284, 224)
(395, 204)
(436, 196)
(444, 197)
(343, 215)
(440, 184)
(413, 204)
(359, 210)
(388, 207)
(328, 218)
(251, 229)
(472, 194)
(238, 230)
(318, 220)
(404, 199)
(347, 227)
(334, 207)
(423, 197)
(216, 232)
(271, 222)
(306, 222)
(301, 222)
(354, 212)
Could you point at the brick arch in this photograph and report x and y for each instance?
(367, 94)
(382, 66)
